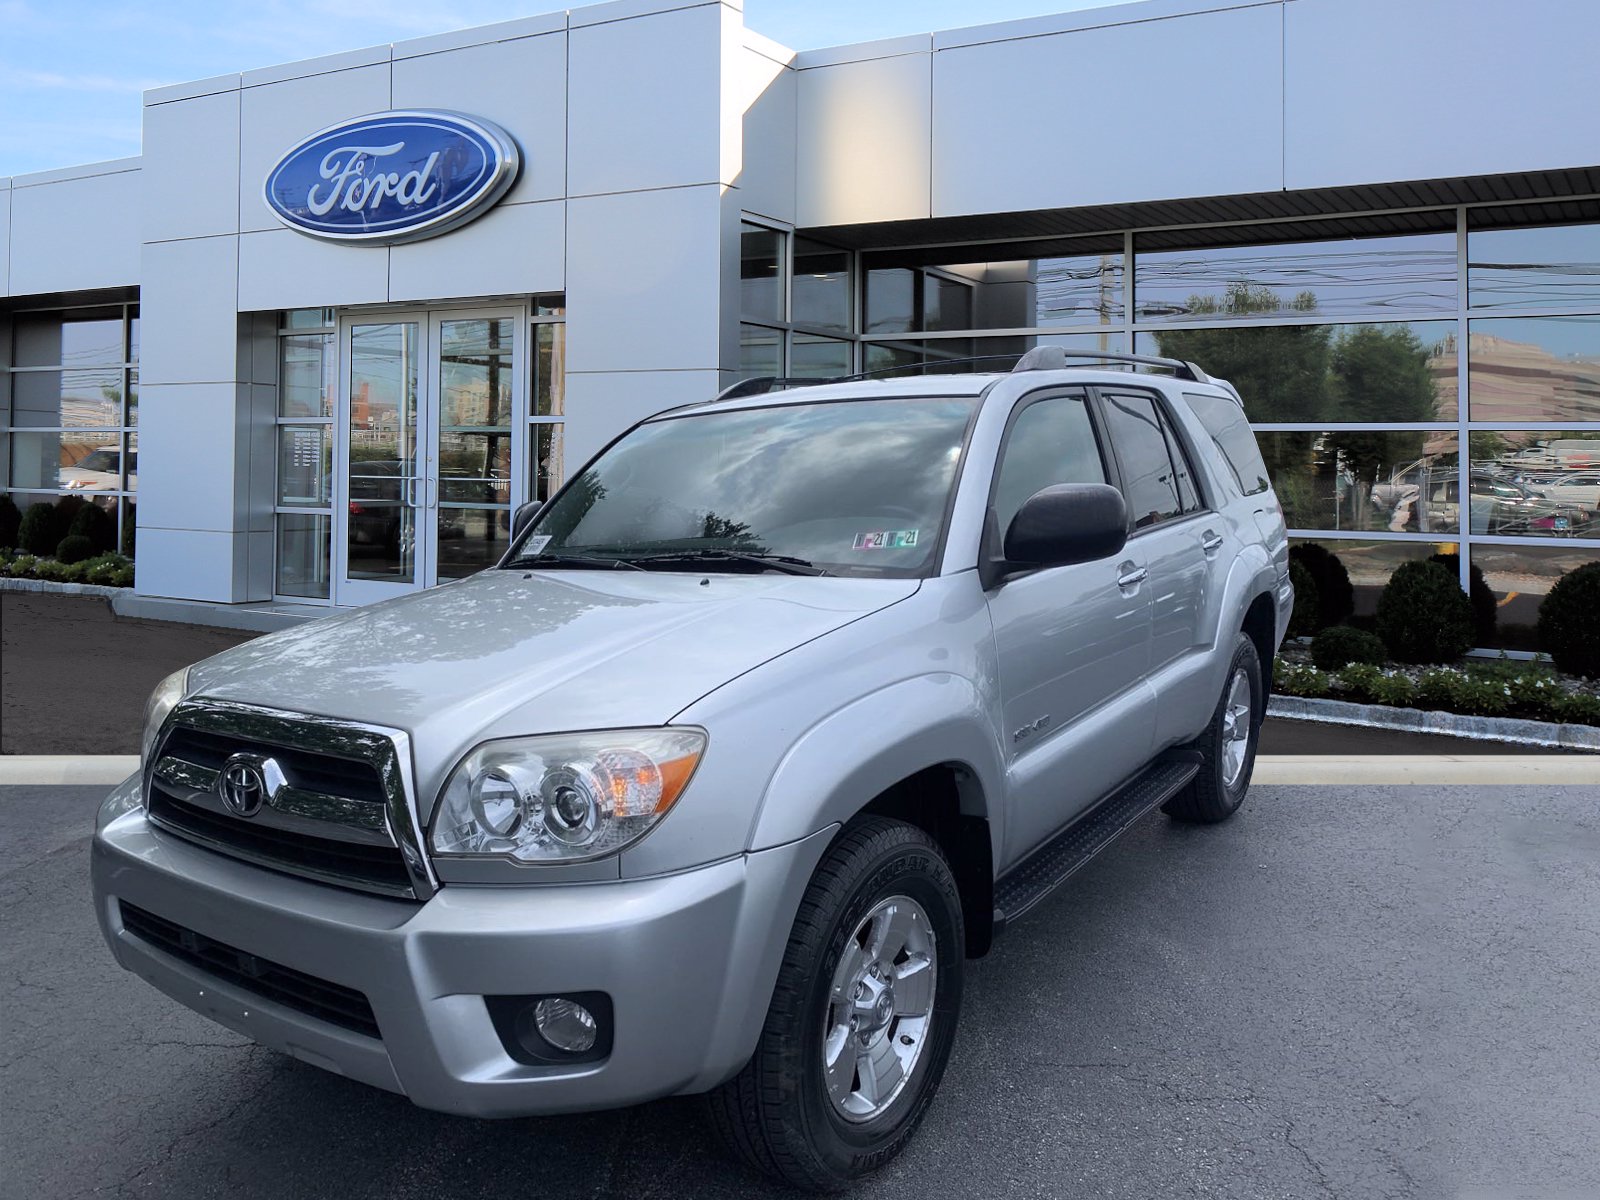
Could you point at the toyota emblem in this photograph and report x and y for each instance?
(243, 786)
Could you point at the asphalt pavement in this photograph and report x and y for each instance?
(1346, 992)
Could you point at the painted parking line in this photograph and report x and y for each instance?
(75, 770)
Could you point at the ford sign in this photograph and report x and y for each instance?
(392, 177)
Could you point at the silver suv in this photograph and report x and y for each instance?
(783, 707)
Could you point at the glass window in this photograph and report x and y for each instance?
(1183, 473)
(75, 460)
(891, 300)
(306, 318)
(761, 273)
(1354, 276)
(994, 353)
(475, 368)
(549, 369)
(545, 460)
(133, 396)
(304, 543)
(859, 488)
(946, 303)
(1521, 577)
(305, 457)
(760, 350)
(67, 399)
(1534, 369)
(130, 463)
(1224, 420)
(305, 381)
(1370, 563)
(941, 289)
(1399, 481)
(74, 337)
(1361, 374)
(814, 357)
(1544, 266)
(1141, 447)
(821, 286)
(1052, 441)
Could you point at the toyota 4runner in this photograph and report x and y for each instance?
(785, 705)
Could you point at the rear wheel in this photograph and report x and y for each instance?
(862, 1018)
(1228, 746)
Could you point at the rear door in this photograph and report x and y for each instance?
(1073, 643)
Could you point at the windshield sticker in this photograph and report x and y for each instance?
(534, 546)
(894, 539)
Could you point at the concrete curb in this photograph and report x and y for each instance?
(65, 589)
(1437, 770)
(1413, 720)
(70, 770)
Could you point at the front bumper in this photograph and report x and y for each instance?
(689, 961)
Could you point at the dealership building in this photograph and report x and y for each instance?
(342, 316)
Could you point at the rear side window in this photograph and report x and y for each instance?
(1225, 422)
(1151, 484)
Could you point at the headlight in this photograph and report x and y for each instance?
(565, 797)
(162, 701)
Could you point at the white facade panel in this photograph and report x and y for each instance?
(74, 232)
(1111, 115)
(644, 279)
(602, 404)
(645, 102)
(864, 141)
(191, 180)
(275, 116)
(5, 240)
(194, 430)
(514, 250)
(192, 564)
(520, 85)
(189, 293)
(279, 268)
(1376, 91)
(768, 96)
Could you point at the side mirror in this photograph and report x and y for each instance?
(1060, 525)
(524, 517)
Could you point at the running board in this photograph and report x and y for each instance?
(1048, 867)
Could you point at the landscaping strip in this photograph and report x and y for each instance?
(1412, 720)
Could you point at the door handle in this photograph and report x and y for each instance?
(1210, 541)
(433, 492)
(411, 491)
(1129, 574)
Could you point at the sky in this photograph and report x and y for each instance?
(72, 71)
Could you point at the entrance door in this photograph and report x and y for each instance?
(432, 410)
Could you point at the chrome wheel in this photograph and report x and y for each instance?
(880, 1008)
(1236, 716)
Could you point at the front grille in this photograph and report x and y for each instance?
(330, 1002)
(350, 778)
(371, 868)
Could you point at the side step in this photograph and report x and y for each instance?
(1048, 867)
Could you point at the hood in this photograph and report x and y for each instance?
(504, 653)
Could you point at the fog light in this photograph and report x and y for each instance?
(566, 1025)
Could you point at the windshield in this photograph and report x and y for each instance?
(851, 488)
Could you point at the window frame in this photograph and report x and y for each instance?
(1170, 433)
(992, 541)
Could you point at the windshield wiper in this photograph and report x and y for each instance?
(710, 554)
(587, 561)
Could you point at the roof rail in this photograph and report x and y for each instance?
(760, 385)
(1054, 358)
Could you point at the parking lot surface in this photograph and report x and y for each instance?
(1375, 992)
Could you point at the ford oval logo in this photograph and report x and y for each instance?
(392, 177)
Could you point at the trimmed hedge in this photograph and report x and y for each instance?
(74, 548)
(37, 533)
(1340, 645)
(1336, 598)
(10, 522)
(1423, 615)
(1485, 608)
(1569, 621)
(96, 524)
(1303, 620)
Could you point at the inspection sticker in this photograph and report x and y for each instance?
(894, 539)
(535, 545)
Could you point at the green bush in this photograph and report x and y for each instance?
(66, 511)
(1336, 598)
(10, 520)
(129, 532)
(21, 567)
(108, 570)
(1298, 679)
(37, 533)
(1485, 608)
(1569, 621)
(1578, 709)
(1423, 615)
(58, 572)
(74, 548)
(1340, 645)
(96, 524)
(1303, 621)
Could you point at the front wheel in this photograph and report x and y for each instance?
(862, 1018)
(1228, 746)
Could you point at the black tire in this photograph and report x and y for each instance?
(1210, 797)
(776, 1114)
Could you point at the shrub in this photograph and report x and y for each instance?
(10, 520)
(1298, 679)
(108, 570)
(1579, 708)
(96, 524)
(129, 533)
(1303, 621)
(1485, 608)
(58, 572)
(1336, 599)
(1423, 615)
(1569, 621)
(1370, 684)
(21, 567)
(66, 511)
(74, 548)
(37, 533)
(1341, 645)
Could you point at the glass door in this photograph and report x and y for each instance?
(432, 415)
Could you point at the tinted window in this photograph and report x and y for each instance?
(1225, 422)
(1148, 479)
(1051, 441)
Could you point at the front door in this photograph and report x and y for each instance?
(432, 413)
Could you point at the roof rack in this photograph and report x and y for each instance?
(760, 385)
(1054, 358)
